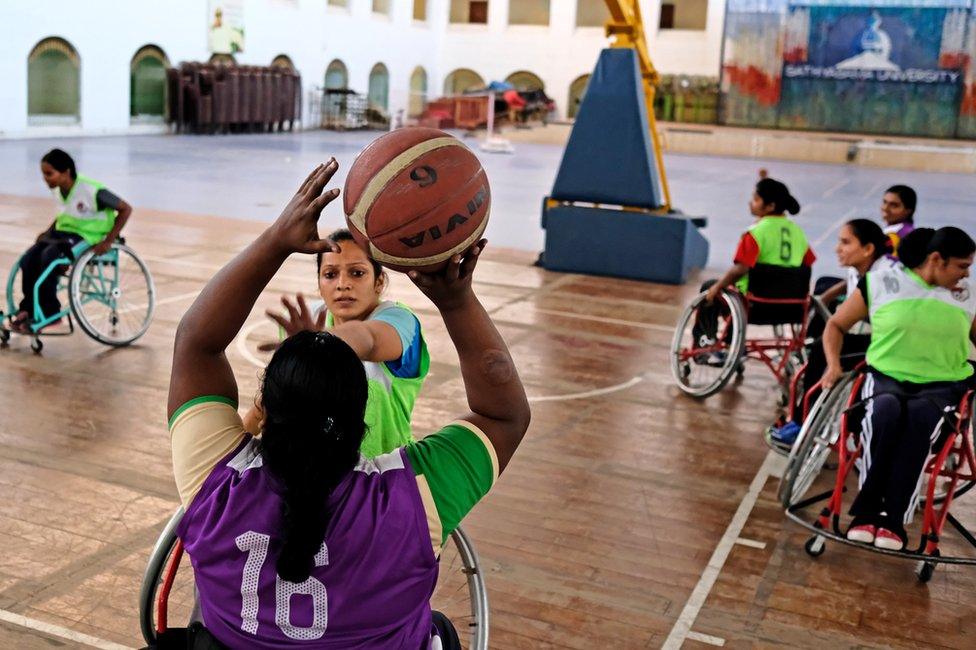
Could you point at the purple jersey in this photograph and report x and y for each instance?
(229, 533)
(896, 233)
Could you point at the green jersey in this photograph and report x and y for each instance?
(80, 214)
(919, 332)
(780, 242)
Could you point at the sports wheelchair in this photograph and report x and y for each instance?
(460, 594)
(830, 432)
(112, 296)
(707, 350)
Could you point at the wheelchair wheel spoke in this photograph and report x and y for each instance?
(113, 297)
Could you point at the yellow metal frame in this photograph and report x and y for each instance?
(626, 28)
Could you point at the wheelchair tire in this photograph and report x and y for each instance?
(106, 310)
(924, 570)
(460, 593)
(715, 376)
(812, 447)
(815, 546)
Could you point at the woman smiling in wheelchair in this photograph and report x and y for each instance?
(922, 318)
(89, 212)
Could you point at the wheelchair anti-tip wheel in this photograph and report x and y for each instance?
(820, 431)
(112, 295)
(702, 363)
(167, 593)
(815, 546)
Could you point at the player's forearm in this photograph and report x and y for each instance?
(491, 382)
(358, 337)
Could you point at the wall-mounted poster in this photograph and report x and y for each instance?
(877, 67)
(225, 26)
(871, 66)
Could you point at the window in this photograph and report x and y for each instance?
(283, 61)
(418, 92)
(469, 11)
(223, 59)
(381, 7)
(339, 3)
(54, 82)
(379, 87)
(528, 12)
(592, 13)
(420, 10)
(462, 80)
(577, 91)
(686, 14)
(525, 81)
(336, 75)
(147, 83)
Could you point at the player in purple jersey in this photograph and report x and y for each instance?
(898, 212)
(290, 534)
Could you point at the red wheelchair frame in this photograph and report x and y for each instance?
(954, 460)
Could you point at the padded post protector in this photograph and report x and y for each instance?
(609, 157)
(659, 248)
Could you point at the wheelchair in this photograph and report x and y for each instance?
(460, 594)
(779, 297)
(111, 296)
(829, 431)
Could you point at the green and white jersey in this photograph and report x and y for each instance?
(919, 332)
(80, 213)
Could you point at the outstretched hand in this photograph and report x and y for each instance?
(296, 229)
(299, 317)
(450, 286)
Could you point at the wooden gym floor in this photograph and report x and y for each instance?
(630, 518)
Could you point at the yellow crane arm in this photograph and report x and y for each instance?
(626, 28)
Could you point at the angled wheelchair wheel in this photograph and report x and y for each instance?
(167, 591)
(819, 433)
(700, 365)
(112, 295)
(461, 594)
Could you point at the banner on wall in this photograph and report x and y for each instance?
(876, 42)
(225, 26)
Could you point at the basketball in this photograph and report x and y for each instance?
(415, 197)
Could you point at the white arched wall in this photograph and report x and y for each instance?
(313, 33)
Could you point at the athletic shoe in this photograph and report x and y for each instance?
(887, 540)
(863, 533)
(703, 342)
(716, 359)
(786, 434)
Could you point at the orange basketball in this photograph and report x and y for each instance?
(415, 197)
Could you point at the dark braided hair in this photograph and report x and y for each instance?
(868, 232)
(772, 191)
(922, 242)
(61, 161)
(314, 399)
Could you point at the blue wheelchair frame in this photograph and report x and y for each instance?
(38, 320)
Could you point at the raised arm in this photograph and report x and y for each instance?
(216, 316)
(492, 385)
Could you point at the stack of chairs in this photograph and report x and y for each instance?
(219, 98)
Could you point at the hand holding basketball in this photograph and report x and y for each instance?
(296, 229)
(451, 285)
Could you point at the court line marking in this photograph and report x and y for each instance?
(164, 301)
(604, 319)
(751, 543)
(706, 638)
(240, 343)
(61, 632)
(835, 226)
(836, 187)
(590, 393)
(681, 630)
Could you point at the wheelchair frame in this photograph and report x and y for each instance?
(780, 354)
(954, 460)
(106, 291)
(167, 552)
